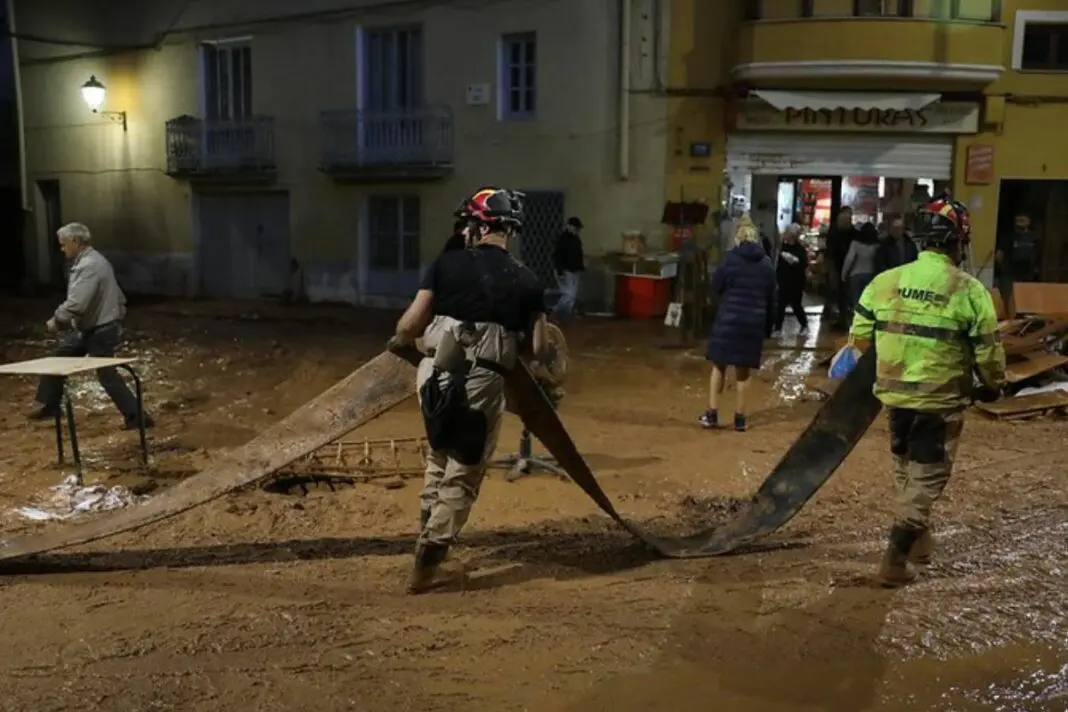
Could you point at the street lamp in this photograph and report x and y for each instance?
(94, 93)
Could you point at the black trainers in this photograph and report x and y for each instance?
(43, 413)
(739, 423)
(709, 419)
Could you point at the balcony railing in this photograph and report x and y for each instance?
(383, 140)
(945, 10)
(212, 147)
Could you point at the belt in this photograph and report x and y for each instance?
(98, 327)
(481, 362)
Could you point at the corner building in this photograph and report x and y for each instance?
(876, 104)
(246, 147)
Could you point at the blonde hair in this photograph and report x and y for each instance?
(746, 231)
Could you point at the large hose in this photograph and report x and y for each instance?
(389, 379)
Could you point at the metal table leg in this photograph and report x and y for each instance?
(139, 393)
(59, 433)
(525, 462)
(68, 405)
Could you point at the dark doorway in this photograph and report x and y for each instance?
(57, 277)
(1045, 202)
(12, 256)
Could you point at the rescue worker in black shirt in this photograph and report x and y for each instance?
(474, 309)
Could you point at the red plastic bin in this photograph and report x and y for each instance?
(642, 297)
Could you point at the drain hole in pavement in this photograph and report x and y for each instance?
(302, 485)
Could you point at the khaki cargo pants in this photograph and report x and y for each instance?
(450, 489)
(924, 445)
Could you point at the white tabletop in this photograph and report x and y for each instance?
(60, 365)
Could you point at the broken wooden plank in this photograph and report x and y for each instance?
(1021, 406)
(1032, 365)
(1036, 339)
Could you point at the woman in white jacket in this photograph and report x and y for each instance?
(859, 268)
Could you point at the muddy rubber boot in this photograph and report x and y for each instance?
(428, 557)
(922, 549)
(894, 571)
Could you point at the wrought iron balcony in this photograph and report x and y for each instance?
(369, 145)
(221, 148)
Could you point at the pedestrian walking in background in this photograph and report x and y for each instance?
(859, 268)
(745, 288)
(791, 275)
(841, 235)
(569, 261)
(897, 248)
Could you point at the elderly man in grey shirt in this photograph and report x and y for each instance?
(91, 317)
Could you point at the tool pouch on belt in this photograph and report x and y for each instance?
(452, 425)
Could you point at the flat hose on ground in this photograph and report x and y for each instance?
(389, 379)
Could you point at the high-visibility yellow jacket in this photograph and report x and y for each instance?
(933, 325)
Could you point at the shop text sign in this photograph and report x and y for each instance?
(941, 117)
(979, 165)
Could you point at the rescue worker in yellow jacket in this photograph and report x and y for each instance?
(935, 333)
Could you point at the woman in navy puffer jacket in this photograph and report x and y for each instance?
(745, 285)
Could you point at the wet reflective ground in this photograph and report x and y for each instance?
(288, 603)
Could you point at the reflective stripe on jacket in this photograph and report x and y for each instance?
(933, 325)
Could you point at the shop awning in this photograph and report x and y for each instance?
(817, 100)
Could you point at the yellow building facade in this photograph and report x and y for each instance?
(971, 94)
(245, 147)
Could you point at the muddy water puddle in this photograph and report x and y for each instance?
(1005, 680)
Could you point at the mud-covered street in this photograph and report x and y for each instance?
(289, 601)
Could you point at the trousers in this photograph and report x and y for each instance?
(924, 446)
(100, 342)
(794, 299)
(569, 290)
(449, 487)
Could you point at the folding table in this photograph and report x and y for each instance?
(64, 367)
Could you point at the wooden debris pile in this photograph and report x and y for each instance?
(1036, 351)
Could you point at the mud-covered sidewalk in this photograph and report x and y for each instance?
(283, 601)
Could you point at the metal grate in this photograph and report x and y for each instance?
(543, 220)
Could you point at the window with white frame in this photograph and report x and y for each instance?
(1040, 41)
(519, 76)
(227, 80)
(393, 232)
(1045, 47)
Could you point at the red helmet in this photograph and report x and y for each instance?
(943, 221)
(493, 206)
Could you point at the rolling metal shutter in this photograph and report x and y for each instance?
(840, 155)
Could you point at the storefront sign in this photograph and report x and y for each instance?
(938, 118)
(979, 165)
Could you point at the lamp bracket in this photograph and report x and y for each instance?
(119, 117)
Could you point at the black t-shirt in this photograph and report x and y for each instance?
(485, 284)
